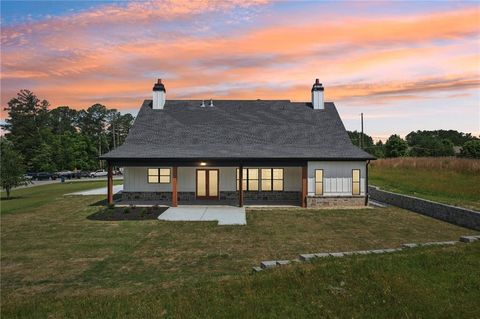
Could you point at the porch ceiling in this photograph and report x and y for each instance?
(208, 162)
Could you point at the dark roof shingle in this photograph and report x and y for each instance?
(250, 129)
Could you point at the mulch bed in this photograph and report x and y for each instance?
(128, 213)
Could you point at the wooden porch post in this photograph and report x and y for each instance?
(304, 186)
(240, 186)
(110, 184)
(174, 187)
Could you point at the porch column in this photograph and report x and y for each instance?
(304, 186)
(240, 186)
(110, 184)
(174, 186)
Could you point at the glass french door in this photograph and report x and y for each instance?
(207, 183)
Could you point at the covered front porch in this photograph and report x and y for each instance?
(204, 184)
(266, 183)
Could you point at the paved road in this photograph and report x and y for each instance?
(58, 180)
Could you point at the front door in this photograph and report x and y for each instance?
(207, 183)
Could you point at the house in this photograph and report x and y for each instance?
(240, 152)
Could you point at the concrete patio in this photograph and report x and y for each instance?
(225, 215)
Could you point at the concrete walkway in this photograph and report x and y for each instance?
(225, 215)
(99, 191)
(73, 180)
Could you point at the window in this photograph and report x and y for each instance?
(250, 179)
(272, 179)
(355, 182)
(159, 175)
(319, 182)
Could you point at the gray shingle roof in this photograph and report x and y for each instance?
(242, 129)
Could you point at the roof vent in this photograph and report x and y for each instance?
(211, 103)
(203, 103)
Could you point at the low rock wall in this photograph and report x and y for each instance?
(452, 214)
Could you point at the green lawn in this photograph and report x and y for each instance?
(56, 261)
(440, 282)
(31, 197)
(447, 186)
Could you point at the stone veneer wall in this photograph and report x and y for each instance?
(249, 196)
(335, 201)
(455, 215)
(156, 196)
(252, 197)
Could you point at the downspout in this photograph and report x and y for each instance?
(366, 182)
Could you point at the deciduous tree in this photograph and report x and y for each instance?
(12, 167)
(471, 149)
(395, 146)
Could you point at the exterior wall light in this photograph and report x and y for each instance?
(203, 164)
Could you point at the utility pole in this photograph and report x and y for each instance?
(113, 133)
(361, 136)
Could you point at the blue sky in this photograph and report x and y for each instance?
(406, 65)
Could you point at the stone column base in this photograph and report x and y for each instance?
(335, 201)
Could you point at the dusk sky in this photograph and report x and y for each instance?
(405, 65)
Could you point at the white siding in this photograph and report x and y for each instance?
(135, 179)
(337, 177)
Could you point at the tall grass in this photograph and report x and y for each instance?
(454, 164)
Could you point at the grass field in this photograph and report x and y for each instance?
(31, 197)
(418, 283)
(55, 262)
(446, 180)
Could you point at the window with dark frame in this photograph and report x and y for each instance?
(319, 182)
(159, 175)
(355, 182)
(250, 179)
(272, 179)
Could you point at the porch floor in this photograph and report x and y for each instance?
(225, 215)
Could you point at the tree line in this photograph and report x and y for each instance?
(421, 144)
(61, 138)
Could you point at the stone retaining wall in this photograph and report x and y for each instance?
(455, 215)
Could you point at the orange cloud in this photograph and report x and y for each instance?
(113, 54)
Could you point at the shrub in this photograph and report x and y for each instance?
(126, 210)
(143, 212)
